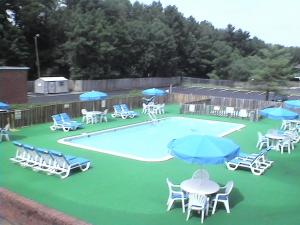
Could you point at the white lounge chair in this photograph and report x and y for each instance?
(263, 159)
(199, 203)
(223, 196)
(175, 194)
(254, 164)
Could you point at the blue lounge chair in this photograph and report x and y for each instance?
(60, 124)
(67, 119)
(118, 112)
(63, 165)
(130, 113)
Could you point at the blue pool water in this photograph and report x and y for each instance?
(148, 141)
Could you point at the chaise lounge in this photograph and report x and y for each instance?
(256, 162)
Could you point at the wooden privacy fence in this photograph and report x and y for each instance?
(42, 114)
(224, 101)
(225, 111)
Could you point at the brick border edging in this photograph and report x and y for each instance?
(22, 211)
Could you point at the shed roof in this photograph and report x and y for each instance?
(53, 78)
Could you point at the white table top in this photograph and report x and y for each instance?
(200, 186)
(275, 136)
(94, 112)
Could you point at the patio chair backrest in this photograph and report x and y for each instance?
(7, 127)
(84, 111)
(31, 152)
(229, 187)
(105, 112)
(124, 107)
(197, 200)
(65, 117)
(45, 155)
(117, 108)
(60, 159)
(57, 119)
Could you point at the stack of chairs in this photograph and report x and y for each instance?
(256, 162)
(49, 161)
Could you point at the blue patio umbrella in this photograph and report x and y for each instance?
(292, 103)
(93, 96)
(4, 106)
(278, 114)
(203, 149)
(154, 92)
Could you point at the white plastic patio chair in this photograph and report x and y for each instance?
(229, 111)
(83, 112)
(201, 174)
(103, 115)
(4, 133)
(199, 203)
(262, 141)
(175, 194)
(145, 108)
(216, 110)
(285, 125)
(223, 196)
(243, 113)
(286, 143)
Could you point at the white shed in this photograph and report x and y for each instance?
(51, 85)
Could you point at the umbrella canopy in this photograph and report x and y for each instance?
(278, 114)
(154, 92)
(203, 149)
(4, 106)
(93, 96)
(292, 103)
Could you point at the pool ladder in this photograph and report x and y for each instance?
(152, 116)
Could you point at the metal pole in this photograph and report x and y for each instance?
(37, 55)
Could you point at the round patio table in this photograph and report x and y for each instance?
(200, 186)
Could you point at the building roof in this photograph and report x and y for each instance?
(52, 78)
(13, 68)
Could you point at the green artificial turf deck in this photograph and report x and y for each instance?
(124, 191)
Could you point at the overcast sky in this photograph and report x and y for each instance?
(273, 21)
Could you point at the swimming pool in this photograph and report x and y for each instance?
(148, 141)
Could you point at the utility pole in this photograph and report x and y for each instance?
(37, 62)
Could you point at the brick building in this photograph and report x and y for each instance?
(13, 84)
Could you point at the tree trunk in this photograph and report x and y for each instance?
(267, 95)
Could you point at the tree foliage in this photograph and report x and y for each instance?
(97, 39)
